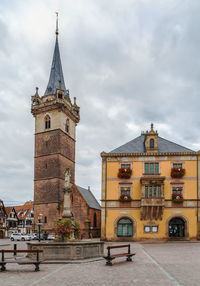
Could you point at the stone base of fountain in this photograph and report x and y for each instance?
(75, 250)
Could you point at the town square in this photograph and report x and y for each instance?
(167, 264)
(100, 143)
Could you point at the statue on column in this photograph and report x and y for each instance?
(67, 190)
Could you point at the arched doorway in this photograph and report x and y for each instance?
(125, 227)
(176, 227)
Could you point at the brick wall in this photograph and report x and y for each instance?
(54, 152)
(85, 215)
(48, 210)
(54, 141)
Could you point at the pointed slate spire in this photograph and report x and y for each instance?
(56, 77)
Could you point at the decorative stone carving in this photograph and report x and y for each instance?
(67, 190)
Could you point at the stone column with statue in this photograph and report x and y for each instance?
(67, 189)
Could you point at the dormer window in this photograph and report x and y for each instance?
(151, 140)
(47, 122)
(151, 143)
(67, 126)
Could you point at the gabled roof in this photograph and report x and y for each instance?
(23, 211)
(56, 73)
(9, 209)
(89, 198)
(137, 146)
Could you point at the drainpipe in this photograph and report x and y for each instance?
(104, 196)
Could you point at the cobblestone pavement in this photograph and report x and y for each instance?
(170, 264)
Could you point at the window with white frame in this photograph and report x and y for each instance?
(147, 229)
(150, 228)
(154, 229)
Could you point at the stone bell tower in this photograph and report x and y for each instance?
(56, 118)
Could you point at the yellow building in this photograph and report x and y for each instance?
(150, 190)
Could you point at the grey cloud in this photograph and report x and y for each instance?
(129, 63)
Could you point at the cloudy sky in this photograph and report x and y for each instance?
(128, 62)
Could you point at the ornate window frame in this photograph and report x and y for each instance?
(134, 227)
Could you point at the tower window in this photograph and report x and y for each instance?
(67, 126)
(45, 219)
(60, 95)
(47, 122)
(152, 143)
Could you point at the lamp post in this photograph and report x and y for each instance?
(39, 224)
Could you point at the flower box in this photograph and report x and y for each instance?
(177, 198)
(124, 173)
(125, 198)
(177, 172)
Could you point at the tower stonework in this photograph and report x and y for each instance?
(56, 118)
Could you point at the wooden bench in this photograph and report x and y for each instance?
(20, 261)
(110, 257)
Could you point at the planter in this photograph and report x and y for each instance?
(124, 173)
(177, 172)
(177, 198)
(125, 198)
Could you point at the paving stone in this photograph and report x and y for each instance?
(170, 264)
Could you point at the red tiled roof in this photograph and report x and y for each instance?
(22, 211)
(8, 210)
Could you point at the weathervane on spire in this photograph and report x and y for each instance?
(57, 24)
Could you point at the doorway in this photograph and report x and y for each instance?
(177, 227)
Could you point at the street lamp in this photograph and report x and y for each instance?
(39, 224)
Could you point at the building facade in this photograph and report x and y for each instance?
(12, 221)
(56, 118)
(25, 214)
(87, 210)
(3, 217)
(150, 190)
